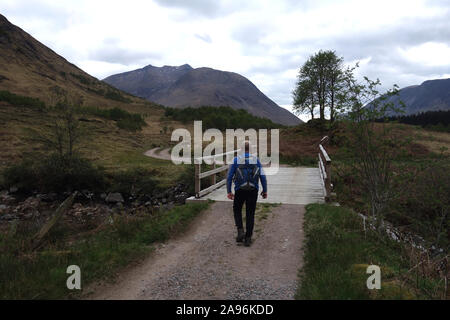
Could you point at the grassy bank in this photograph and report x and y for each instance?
(338, 252)
(28, 274)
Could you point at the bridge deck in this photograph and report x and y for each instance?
(290, 185)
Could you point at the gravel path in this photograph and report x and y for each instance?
(163, 154)
(206, 263)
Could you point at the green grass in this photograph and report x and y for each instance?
(42, 275)
(337, 253)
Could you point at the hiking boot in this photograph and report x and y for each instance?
(247, 241)
(240, 236)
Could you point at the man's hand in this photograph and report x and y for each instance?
(230, 196)
(264, 195)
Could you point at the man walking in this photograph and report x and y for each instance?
(246, 171)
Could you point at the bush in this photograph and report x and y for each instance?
(125, 120)
(55, 174)
(221, 118)
(133, 181)
(22, 101)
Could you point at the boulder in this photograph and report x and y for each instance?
(114, 198)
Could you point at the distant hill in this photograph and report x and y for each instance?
(431, 95)
(29, 68)
(184, 86)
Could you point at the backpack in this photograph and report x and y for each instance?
(247, 175)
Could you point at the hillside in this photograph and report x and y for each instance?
(431, 95)
(184, 86)
(30, 68)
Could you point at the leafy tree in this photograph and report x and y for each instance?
(373, 146)
(320, 82)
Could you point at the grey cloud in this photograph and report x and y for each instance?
(57, 16)
(206, 8)
(112, 52)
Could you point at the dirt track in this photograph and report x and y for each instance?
(206, 263)
(163, 154)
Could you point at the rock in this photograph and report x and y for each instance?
(114, 198)
(13, 189)
(103, 196)
(181, 198)
(119, 206)
(164, 200)
(48, 197)
(167, 207)
(7, 217)
(3, 207)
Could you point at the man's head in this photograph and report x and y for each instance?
(247, 146)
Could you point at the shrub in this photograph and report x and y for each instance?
(125, 120)
(55, 174)
(133, 181)
(22, 101)
(221, 118)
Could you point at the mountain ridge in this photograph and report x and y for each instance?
(184, 86)
(430, 95)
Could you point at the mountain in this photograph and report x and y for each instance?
(431, 95)
(29, 68)
(185, 86)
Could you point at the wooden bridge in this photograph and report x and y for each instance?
(286, 185)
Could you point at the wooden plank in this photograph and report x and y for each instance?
(322, 169)
(211, 188)
(217, 155)
(213, 177)
(65, 206)
(213, 171)
(197, 178)
(325, 154)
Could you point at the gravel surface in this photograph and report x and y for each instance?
(206, 263)
(158, 153)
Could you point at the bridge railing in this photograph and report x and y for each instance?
(325, 168)
(211, 173)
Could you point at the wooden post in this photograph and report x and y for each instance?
(328, 181)
(197, 179)
(213, 177)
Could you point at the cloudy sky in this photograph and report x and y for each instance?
(402, 42)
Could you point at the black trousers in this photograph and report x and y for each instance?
(248, 197)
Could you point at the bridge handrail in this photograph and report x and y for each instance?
(200, 175)
(325, 168)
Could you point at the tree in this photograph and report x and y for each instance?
(64, 132)
(320, 81)
(373, 146)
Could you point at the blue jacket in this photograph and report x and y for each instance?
(233, 169)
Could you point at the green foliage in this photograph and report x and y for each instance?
(133, 181)
(54, 174)
(116, 95)
(321, 80)
(221, 118)
(430, 120)
(371, 146)
(337, 253)
(42, 275)
(22, 101)
(125, 120)
(187, 178)
(83, 79)
(422, 200)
